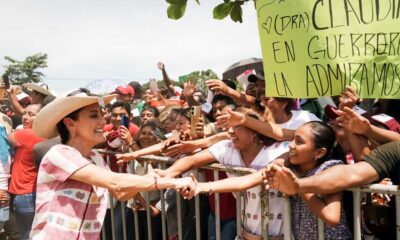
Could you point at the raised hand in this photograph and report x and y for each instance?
(126, 135)
(189, 89)
(161, 66)
(348, 98)
(218, 86)
(231, 119)
(353, 121)
(282, 179)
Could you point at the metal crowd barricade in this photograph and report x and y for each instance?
(162, 162)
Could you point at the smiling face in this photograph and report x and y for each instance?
(146, 137)
(242, 137)
(88, 127)
(148, 96)
(302, 149)
(146, 115)
(170, 122)
(116, 116)
(182, 123)
(29, 115)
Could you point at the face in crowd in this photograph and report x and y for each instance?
(182, 123)
(147, 115)
(148, 96)
(146, 137)
(116, 116)
(312, 143)
(88, 127)
(29, 115)
(170, 123)
(242, 137)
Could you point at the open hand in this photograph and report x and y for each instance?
(231, 119)
(126, 157)
(218, 86)
(282, 179)
(353, 121)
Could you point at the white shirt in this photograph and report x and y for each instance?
(299, 118)
(225, 153)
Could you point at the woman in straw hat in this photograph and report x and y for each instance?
(73, 181)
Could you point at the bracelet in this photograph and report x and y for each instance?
(155, 184)
(133, 143)
(210, 191)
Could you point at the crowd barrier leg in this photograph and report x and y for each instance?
(163, 217)
(197, 211)
(287, 229)
(356, 212)
(179, 215)
(321, 235)
(238, 215)
(264, 213)
(217, 210)
(397, 217)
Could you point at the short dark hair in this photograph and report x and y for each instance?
(220, 97)
(136, 86)
(123, 105)
(154, 110)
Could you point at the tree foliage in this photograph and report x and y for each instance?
(233, 8)
(26, 71)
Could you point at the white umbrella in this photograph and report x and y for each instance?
(238, 68)
(103, 86)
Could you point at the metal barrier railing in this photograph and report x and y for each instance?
(162, 162)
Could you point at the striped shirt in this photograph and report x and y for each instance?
(63, 207)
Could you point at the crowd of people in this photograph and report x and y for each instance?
(62, 155)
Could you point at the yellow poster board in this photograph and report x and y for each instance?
(315, 48)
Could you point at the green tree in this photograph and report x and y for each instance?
(200, 77)
(233, 8)
(25, 71)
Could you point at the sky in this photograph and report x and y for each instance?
(88, 40)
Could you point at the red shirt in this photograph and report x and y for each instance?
(133, 129)
(24, 172)
(227, 202)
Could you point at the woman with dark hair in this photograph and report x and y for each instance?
(22, 185)
(73, 180)
(245, 148)
(309, 154)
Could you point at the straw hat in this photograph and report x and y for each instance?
(40, 87)
(45, 123)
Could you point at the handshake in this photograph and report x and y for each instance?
(188, 187)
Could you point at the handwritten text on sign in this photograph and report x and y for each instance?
(315, 48)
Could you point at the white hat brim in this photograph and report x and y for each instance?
(37, 88)
(45, 122)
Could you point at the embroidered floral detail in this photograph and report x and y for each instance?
(80, 195)
(97, 225)
(60, 221)
(248, 215)
(271, 216)
(87, 226)
(255, 217)
(280, 216)
(73, 225)
(253, 196)
(68, 192)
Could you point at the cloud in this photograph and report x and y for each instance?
(88, 40)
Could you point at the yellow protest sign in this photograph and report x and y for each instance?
(315, 48)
